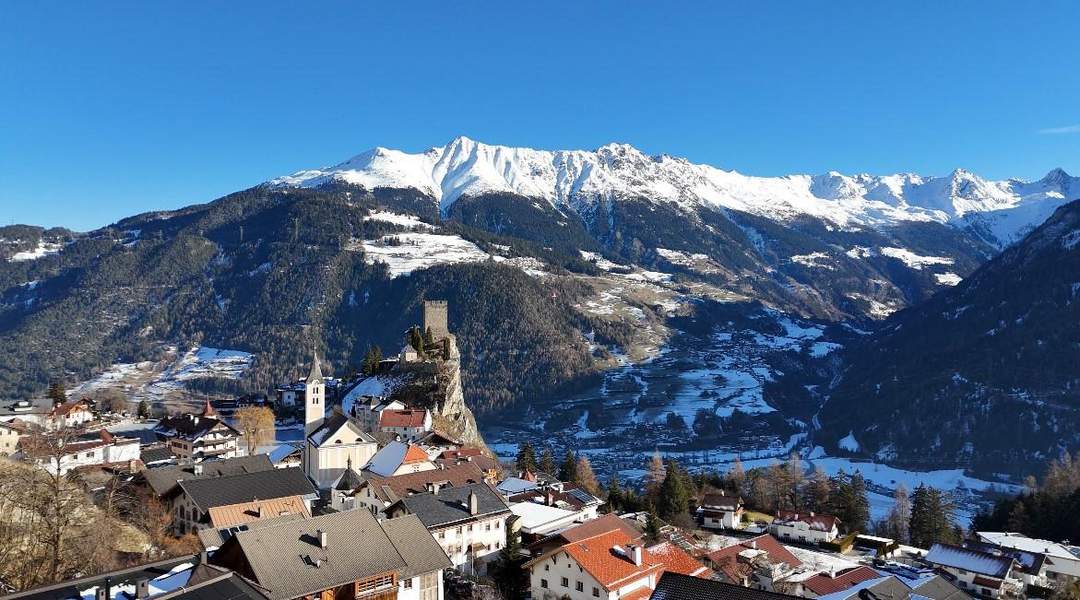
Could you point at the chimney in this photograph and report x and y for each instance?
(435, 488)
(549, 498)
(474, 503)
(142, 589)
(322, 538)
(811, 514)
(753, 543)
(637, 552)
(196, 469)
(104, 591)
(203, 557)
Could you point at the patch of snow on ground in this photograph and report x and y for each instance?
(398, 219)
(814, 259)
(849, 442)
(421, 251)
(913, 260)
(42, 249)
(947, 278)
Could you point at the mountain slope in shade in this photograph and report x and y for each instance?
(1001, 211)
(984, 374)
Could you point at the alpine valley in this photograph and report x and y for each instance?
(608, 300)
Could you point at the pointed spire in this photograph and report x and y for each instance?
(315, 375)
(208, 410)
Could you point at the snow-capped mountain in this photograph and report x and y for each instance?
(1001, 211)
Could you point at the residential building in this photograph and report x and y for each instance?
(823, 584)
(377, 493)
(979, 573)
(721, 511)
(603, 524)
(339, 555)
(368, 410)
(196, 497)
(10, 434)
(567, 496)
(188, 577)
(399, 458)
(201, 436)
(676, 586)
(164, 481)
(1060, 564)
(34, 411)
(73, 413)
(607, 566)
(468, 521)
(535, 519)
(805, 527)
(408, 424)
(676, 560)
(758, 562)
(62, 456)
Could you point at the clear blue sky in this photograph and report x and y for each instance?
(113, 108)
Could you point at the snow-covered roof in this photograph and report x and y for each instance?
(1019, 541)
(390, 457)
(535, 516)
(983, 563)
(515, 485)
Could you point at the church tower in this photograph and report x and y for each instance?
(314, 398)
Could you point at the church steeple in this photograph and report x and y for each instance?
(315, 374)
(314, 397)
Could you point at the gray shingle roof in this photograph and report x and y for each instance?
(673, 586)
(419, 549)
(163, 479)
(287, 560)
(207, 493)
(451, 505)
(334, 423)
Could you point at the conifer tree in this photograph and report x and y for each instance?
(568, 469)
(817, 492)
(674, 497)
(507, 570)
(57, 393)
(614, 494)
(899, 519)
(526, 458)
(931, 518)
(652, 526)
(547, 461)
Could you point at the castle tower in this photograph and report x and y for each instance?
(435, 318)
(314, 398)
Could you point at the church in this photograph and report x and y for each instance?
(334, 442)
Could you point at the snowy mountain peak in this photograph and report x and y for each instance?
(577, 179)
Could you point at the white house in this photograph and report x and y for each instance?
(10, 434)
(609, 566)
(106, 449)
(720, 511)
(400, 458)
(806, 527)
(200, 436)
(73, 413)
(407, 424)
(977, 572)
(1060, 564)
(469, 522)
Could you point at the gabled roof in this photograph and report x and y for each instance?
(676, 560)
(727, 559)
(603, 524)
(315, 374)
(393, 455)
(163, 480)
(287, 559)
(816, 521)
(571, 494)
(338, 424)
(66, 408)
(207, 493)
(983, 563)
(451, 505)
(721, 501)
(673, 586)
(408, 417)
(824, 583)
(608, 557)
(190, 427)
(257, 510)
(349, 480)
(391, 489)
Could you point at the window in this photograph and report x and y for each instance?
(596, 592)
(442, 535)
(459, 531)
(565, 582)
(579, 586)
(543, 583)
(406, 584)
(429, 586)
(470, 527)
(547, 567)
(487, 526)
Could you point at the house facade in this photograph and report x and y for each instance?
(721, 511)
(609, 566)
(199, 436)
(979, 573)
(407, 424)
(807, 528)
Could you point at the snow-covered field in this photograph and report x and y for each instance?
(915, 261)
(421, 251)
(42, 249)
(398, 219)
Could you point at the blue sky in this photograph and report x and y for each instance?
(109, 109)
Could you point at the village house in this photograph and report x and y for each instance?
(10, 434)
(1055, 561)
(197, 497)
(602, 524)
(676, 560)
(678, 586)
(979, 573)
(187, 577)
(163, 481)
(607, 566)
(805, 527)
(73, 413)
(201, 436)
(333, 446)
(339, 555)
(226, 521)
(823, 584)
(407, 424)
(399, 458)
(34, 411)
(368, 410)
(62, 456)
(376, 493)
(721, 511)
(759, 562)
(468, 521)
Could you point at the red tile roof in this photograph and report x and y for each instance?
(604, 524)
(815, 521)
(402, 418)
(822, 583)
(414, 455)
(608, 558)
(676, 560)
